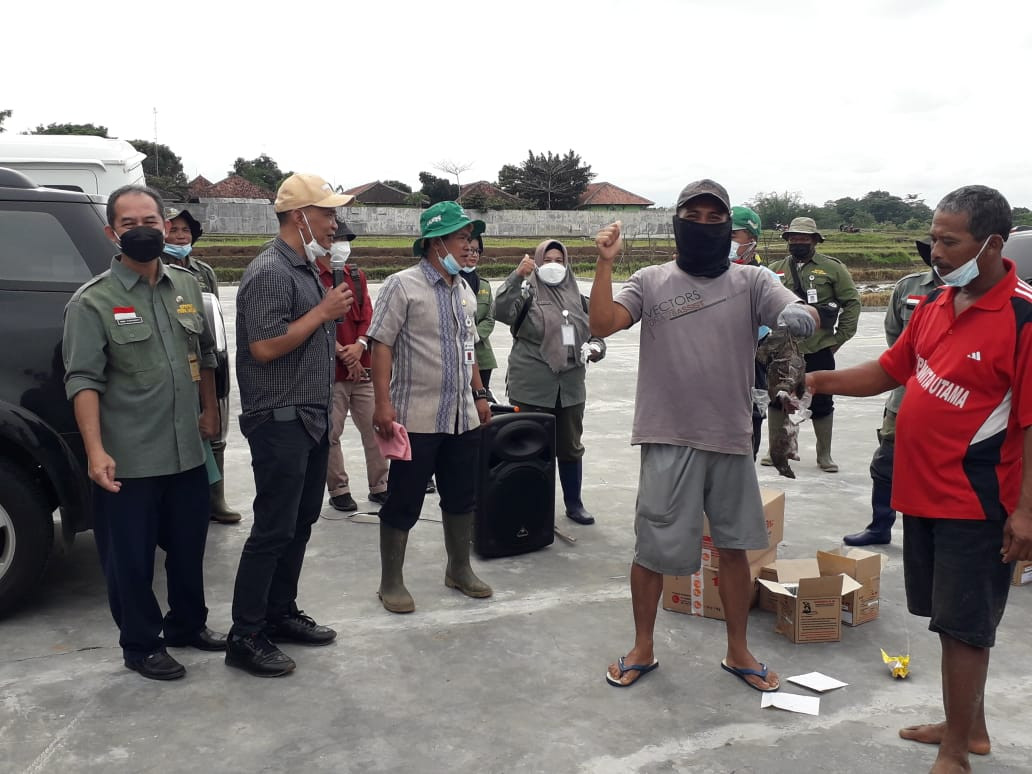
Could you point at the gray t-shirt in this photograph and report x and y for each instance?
(697, 345)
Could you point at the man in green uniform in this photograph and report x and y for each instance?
(822, 282)
(908, 293)
(182, 235)
(136, 348)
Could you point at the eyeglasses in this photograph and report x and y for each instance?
(475, 250)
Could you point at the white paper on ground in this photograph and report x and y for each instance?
(793, 702)
(816, 681)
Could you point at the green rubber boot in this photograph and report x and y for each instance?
(822, 429)
(458, 531)
(393, 594)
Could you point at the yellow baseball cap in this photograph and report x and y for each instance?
(303, 190)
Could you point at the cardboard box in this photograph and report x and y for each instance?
(1022, 573)
(865, 568)
(811, 610)
(784, 571)
(774, 514)
(699, 594)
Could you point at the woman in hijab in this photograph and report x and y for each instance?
(548, 317)
(484, 317)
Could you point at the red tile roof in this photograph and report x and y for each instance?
(236, 187)
(197, 187)
(487, 190)
(607, 194)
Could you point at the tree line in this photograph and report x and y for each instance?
(543, 181)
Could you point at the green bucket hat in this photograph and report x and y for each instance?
(744, 219)
(442, 219)
(802, 226)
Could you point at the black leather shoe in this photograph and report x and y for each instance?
(579, 515)
(255, 654)
(868, 538)
(377, 497)
(344, 502)
(301, 628)
(157, 666)
(205, 639)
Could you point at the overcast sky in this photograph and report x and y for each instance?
(825, 98)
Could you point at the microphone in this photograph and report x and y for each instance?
(338, 260)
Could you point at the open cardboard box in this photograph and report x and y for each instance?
(865, 568)
(810, 610)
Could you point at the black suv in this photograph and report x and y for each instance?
(51, 242)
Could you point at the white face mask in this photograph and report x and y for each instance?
(313, 249)
(551, 273)
(340, 249)
(966, 273)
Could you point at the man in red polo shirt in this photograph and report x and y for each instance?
(352, 388)
(962, 431)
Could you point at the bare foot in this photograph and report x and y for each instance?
(932, 733)
(630, 675)
(947, 764)
(771, 683)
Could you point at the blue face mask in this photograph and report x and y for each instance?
(468, 269)
(179, 252)
(966, 274)
(449, 263)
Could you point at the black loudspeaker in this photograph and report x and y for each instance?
(516, 485)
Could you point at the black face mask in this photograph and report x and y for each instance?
(801, 252)
(702, 248)
(142, 243)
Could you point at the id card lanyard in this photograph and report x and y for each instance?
(569, 336)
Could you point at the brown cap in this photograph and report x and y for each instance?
(704, 187)
(302, 190)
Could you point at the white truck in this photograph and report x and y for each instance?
(73, 162)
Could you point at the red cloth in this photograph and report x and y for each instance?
(356, 321)
(960, 429)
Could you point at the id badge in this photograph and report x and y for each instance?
(811, 296)
(467, 354)
(195, 367)
(569, 337)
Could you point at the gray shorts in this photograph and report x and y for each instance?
(675, 486)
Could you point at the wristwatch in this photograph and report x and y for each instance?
(480, 394)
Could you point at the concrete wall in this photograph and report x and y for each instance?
(242, 217)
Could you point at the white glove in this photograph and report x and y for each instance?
(589, 348)
(796, 317)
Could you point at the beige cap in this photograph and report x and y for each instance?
(802, 226)
(302, 190)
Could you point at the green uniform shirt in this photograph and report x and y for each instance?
(486, 360)
(914, 287)
(134, 344)
(202, 272)
(831, 281)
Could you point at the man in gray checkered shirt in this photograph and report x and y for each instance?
(285, 368)
(425, 377)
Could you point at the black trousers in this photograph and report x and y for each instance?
(166, 511)
(822, 360)
(453, 459)
(289, 476)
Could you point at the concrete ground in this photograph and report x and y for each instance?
(510, 684)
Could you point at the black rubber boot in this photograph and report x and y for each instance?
(879, 531)
(570, 476)
(217, 508)
(393, 594)
(458, 532)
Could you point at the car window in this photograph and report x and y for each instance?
(34, 247)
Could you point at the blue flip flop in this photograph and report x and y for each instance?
(641, 669)
(742, 673)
